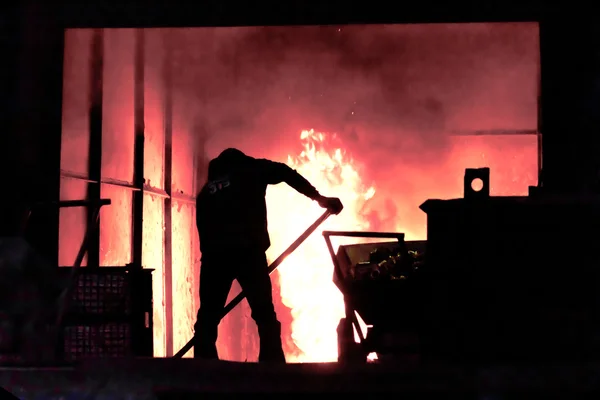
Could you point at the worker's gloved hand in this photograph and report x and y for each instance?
(332, 204)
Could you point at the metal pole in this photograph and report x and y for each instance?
(167, 82)
(63, 299)
(137, 226)
(94, 190)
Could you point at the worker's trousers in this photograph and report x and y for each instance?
(217, 273)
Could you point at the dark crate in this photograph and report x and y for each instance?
(97, 341)
(101, 291)
(109, 314)
(109, 291)
(102, 294)
(512, 279)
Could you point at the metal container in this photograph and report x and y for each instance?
(372, 288)
(109, 314)
(511, 279)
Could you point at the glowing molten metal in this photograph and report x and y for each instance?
(305, 278)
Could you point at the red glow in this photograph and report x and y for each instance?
(390, 94)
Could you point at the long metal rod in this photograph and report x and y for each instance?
(63, 299)
(95, 146)
(337, 270)
(105, 181)
(147, 189)
(238, 299)
(356, 234)
(137, 207)
(168, 185)
(76, 203)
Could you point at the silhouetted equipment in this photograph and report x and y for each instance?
(68, 313)
(505, 279)
(511, 278)
(110, 313)
(28, 291)
(379, 282)
(238, 299)
(477, 183)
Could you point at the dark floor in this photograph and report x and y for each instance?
(170, 378)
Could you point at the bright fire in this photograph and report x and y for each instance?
(305, 278)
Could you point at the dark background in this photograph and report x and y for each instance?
(32, 40)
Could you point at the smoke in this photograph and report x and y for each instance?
(392, 93)
(388, 87)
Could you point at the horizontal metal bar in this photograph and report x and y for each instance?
(179, 197)
(381, 235)
(84, 203)
(495, 132)
(183, 198)
(71, 175)
(73, 203)
(103, 181)
(119, 183)
(155, 191)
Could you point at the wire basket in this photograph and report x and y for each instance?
(101, 292)
(97, 341)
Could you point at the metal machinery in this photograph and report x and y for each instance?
(511, 278)
(506, 279)
(379, 281)
(71, 313)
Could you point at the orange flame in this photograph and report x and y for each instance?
(305, 278)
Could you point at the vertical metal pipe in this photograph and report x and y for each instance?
(540, 148)
(95, 146)
(138, 159)
(168, 170)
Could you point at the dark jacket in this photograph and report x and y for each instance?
(231, 211)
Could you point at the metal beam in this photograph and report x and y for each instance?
(168, 207)
(174, 197)
(138, 156)
(95, 146)
(147, 189)
(105, 181)
(178, 13)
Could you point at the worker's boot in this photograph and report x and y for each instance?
(271, 348)
(206, 352)
(205, 348)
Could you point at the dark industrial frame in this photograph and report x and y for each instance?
(39, 27)
(32, 41)
(138, 187)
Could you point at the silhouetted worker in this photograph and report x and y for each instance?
(231, 216)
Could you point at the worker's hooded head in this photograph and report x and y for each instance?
(230, 160)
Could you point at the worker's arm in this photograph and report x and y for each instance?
(274, 173)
